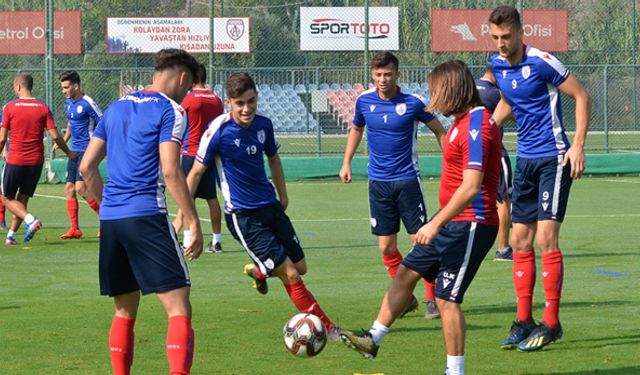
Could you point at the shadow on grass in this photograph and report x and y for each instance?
(602, 342)
(511, 308)
(9, 307)
(595, 254)
(611, 371)
(434, 326)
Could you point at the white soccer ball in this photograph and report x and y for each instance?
(304, 335)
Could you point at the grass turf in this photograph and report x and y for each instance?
(52, 319)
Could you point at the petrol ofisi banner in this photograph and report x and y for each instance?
(24, 32)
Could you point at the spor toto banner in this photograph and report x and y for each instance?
(343, 29)
(24, 32)
(151, 34)
(455, 30)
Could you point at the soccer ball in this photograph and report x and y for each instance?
(304, 335)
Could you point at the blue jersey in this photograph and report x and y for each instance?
(489, 94)
(531, 88)
(392, 133)
(80, 115)
(133, 129)
(237, 155)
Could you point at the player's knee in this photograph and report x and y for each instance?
(386, 249)
(302, 268)
(70, 190)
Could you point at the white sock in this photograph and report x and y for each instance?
(29, 219)
(216, 238)
(455, 365)
(11, 233)
(378, 331)
(186, 238)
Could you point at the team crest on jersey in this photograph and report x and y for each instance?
(79, 109)
(401, 108)
(261, 136)
(372, 107)
(526, 71)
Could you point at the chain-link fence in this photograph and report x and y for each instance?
(309, 91)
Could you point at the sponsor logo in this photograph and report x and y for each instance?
(519, 273)
(237, 142)
(341, 28)
(372, 107)
(545, 205)
(474, 133)
(261, 136)
(448, 277)
(526, 71)
(235, 28)
(421, 218)
(545, 274)
(446, 282)
(464, 30)
(401, 109)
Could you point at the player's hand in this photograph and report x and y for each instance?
(72, 155)
(53, 149)
(195, 249)
(345, 173)
(575, 156)
(284, 202)
(426, 234)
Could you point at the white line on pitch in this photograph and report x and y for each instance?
(624, 181)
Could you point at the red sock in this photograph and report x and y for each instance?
(392, 262)
(2, 209)
(430, 289)
(259, 274)
(94, 206)
(305, 302)
(524, 279)
(180, 340)
(552, 277)
(72, 210)
(121, 345)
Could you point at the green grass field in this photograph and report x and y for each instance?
(53, 320)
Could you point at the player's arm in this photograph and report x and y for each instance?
(468, 190)
(95, 153)
(277, 176)
(502, 112)
(65, 138)
(575, 155)
(62, 144)
(4, 133)
(195, 176)
(438, 130)
(176, 183)
(353, 141)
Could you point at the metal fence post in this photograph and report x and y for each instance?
(366, 41)
(212, 9)
(606, 111)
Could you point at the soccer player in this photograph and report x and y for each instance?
(25, 119)
(234, 144)
(202, 106)
(141, 135)
(490, 97)
(395, 189)
(530, 82)
(450, 247)
(81, 111)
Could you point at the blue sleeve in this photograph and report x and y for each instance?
(552, 70)
(358, 117)
(421, 113)
(173, 124)
(212, 147)
(100, 131)
(95, 115)
(270, 145)
(475, 150)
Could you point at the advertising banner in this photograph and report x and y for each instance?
(24, 32)
(343, 28)
(151, 34)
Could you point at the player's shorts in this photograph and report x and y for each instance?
(140, 253)
(540, 189)
(267, 235)
(505, 185)
(21, 179)
(394, 200)
(73, 169)
(207, 187)
(453, 257)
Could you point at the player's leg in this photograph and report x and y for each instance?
(3, 223)
(121, 334)
(524, 218)
(413, 212)
(81, 188)
(216, 224)
(26, 184)
(18, 205)
(72, 201)
(505, 187)
(207, 190)
(186, 162)
(554, 187)
(454, 331)
(177, 223)
(180, 334)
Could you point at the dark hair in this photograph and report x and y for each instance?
(452, 88)
(384, 58)
(505, 14)
(25, 80)
(173, 58)
(71, 76)
(202, 75)
(238, 83)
